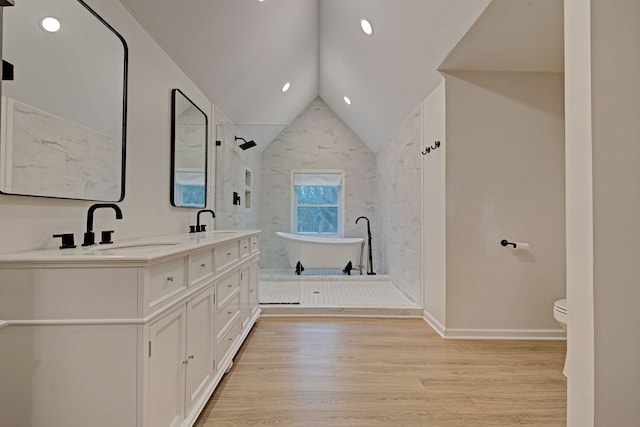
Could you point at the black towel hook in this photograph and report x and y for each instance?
(427, 150)
(505, 242)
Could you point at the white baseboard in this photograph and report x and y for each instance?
(494, 334)
(437, 326)
(505, 334)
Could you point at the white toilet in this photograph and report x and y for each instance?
(561, 315)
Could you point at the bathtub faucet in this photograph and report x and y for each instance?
(370, 261)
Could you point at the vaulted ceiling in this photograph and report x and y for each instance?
(240, 53)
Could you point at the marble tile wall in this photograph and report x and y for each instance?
(190, 137)
(231, 165)
(398, 206)
(316, 139)
(46, 164)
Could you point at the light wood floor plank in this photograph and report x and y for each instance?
(386, 372)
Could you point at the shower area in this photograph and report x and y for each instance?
(310, 188)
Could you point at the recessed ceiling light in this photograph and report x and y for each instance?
(50, 24)
(259, 1)
(366, 26)
(286, 87)
(347, 100)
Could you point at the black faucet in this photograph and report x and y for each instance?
(89, 235)
(198, 228)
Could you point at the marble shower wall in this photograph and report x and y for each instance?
(399, 206)
(231, 164)
(316, 139)
(44, 163)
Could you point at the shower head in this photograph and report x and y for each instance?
(247, 144)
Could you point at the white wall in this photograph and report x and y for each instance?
(504, 180)
(579, 214)
(398, 251)
(316, 139)
(28, 223)
(433, 210)
(615, 67)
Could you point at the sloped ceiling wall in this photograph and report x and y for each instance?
(513, 36)
(241, 52)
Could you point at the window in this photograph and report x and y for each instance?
(317, 206)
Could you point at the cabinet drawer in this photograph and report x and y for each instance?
(255, 244)
(227, 313)
(244, 247)
(226, 255)
(166, 280)
(200, 266)
(227, 287)
(226, 341)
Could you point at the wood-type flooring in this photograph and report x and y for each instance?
(386, 372)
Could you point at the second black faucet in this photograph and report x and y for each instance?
(198, 227)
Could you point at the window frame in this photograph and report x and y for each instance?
(294, 200)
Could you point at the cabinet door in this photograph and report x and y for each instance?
(245, 311)
(166, 370)
(200, 336)
(253, 286)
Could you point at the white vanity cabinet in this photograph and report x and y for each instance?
(199, 359)
(165, 378)
(181, 364)
(249, 298)
(122, 338)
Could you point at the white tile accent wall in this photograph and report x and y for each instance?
(316, 139)
(398, 206)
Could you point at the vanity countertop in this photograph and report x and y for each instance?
(138, 251)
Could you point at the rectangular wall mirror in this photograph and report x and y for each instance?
(63, 115)
(189, 152)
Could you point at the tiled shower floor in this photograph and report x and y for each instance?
(319, 292)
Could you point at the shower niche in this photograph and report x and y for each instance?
(247, 188)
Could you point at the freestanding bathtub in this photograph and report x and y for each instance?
(322, 252)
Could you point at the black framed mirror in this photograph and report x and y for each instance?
(189, 152)
(64, 110)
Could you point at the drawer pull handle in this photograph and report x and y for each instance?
(230, 339)
(230, 313)
(230, 285)
(228, 253)
(250, 290)
(203, 265)
(192, 357)
(184, 362)
(169, 278)
(246, 247)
